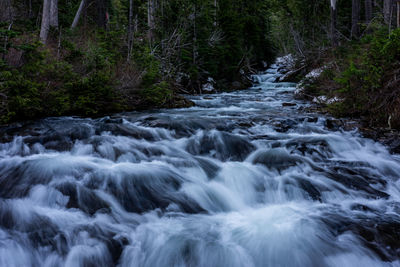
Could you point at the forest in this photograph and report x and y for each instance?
(200, 133)
(96, 57)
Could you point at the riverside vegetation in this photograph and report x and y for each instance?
(98, 57)
(356, 66)
(124, 55)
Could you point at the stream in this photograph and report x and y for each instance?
(245, 178)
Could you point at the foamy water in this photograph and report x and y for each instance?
(238, 180)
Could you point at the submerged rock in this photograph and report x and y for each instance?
(276, 158)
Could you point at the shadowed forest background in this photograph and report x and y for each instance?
(94, 57)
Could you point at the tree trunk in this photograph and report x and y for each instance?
(130, 29)
(368, 11)
(150, 20)
(215, 12)
(136, 24)
(78, 14)
(387, 10)
(54, 13)
(194, 34)
(355, 17)
(6, 42)
(334, 38)
(6, 13)
(101, 13)
(44, 29)
(30, 9)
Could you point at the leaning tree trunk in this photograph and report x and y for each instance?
(355, 17)
(368, 11)
(334, 37)
(387, 10)
(78, 14)
(54, 13)
(44, 29)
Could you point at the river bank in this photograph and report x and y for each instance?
(319, 93)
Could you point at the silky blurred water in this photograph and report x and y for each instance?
(238, 180)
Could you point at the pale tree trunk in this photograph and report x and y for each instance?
(355, 17)
(334, 38)
(150, 19)
(44, 29)
(78, 14)
(6, 13)
(30, 9)
(130, 29)
(54, 13)
(387, 10)
(136, 24)
(161, 7)
(368, 11)
(6, 42)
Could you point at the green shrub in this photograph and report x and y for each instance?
(365, 81)
(158, 94)
(93, 94)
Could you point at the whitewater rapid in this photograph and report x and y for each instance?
(247, 178)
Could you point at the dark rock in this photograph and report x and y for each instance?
(246, 124)
(209, 167)
(237, 85)
(82, 198)
(314, 119)
(276, 158)
(226, 146)
(287, 104)
(395, 146)
(333, 124)
(285, 125)
(181, 102)
(308, 187)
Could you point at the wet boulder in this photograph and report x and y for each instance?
(82, 198)
(276, 158)
(221, 145)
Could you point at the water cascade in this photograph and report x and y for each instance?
(246, 178)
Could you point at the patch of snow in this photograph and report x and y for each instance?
(315, 73)
(209, 86)
(312, 75)
(334, 100)
(299, 89)
(287, 61)
(325, 100)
